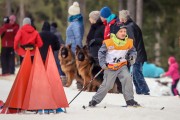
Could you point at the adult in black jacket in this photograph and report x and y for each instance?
(95, 35)
(135, 33)
(48, 39)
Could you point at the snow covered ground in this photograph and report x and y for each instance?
(155, 106)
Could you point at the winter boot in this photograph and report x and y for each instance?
(64, 80)
(132, 102)
(92, 103)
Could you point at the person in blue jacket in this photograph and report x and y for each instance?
(75, 30)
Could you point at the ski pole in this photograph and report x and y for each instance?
(86, 86)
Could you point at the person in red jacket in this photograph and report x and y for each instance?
(27, 38)
(8, 32)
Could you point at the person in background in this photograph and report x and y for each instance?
(8, 32)
(135, 33)
(112, 58)
(75, 30)
(27, 38)
(49, 39)
(173, 72)
(95, 35)
(54, 30)
(109, 21)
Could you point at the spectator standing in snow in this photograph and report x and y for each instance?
(135, 33)
(75, 30)
(49, 39)
(109, 19)
(58, 34)
(173, 72)
(8, 32)
(95, 35)
(112, 58)
(27, 38)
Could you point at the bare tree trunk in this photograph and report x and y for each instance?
(121, 6)
(8, 7)
(131, 6)
(139, 12)
(82, 4)
(157, 46)
(70, 2)
(22, 15)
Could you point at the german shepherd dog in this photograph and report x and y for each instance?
(68, 64)
(87, 69)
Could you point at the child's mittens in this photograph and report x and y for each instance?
(105, 66)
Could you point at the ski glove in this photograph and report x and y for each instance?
(105, 66)
(132, 60)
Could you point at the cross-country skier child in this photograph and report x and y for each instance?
(113, 59)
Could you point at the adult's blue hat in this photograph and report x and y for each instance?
(105, 12)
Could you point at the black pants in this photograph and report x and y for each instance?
(173, 88)
(21, 59)
(7, 60)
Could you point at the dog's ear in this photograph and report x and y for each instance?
(61, 46)
(77, 48)
(85, 47)
(69, 46)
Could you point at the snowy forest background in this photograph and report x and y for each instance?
(159, 20)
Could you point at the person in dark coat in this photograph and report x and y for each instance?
(58, 34)
(95, 35)
(135, 33)
(8, 32)
(48, 39)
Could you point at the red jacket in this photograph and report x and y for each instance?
(26, 35)
(107, 28)
(8, 32)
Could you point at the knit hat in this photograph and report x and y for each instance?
(123, 14)
(94, 15)
(105, 12)
(172, 60)
(118, 27)
(26, 21)
(74, 9)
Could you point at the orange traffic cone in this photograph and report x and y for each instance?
(55, 81)
(38, 94)
(15, 99)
